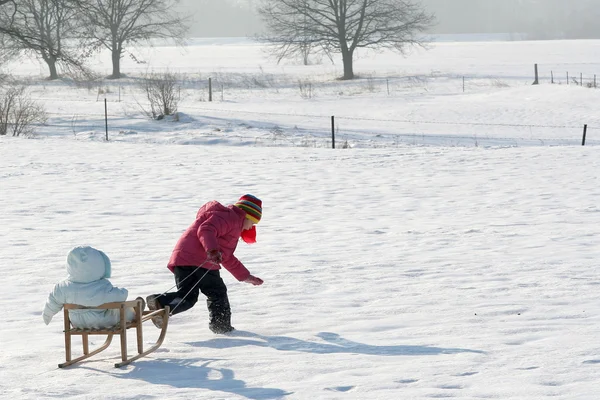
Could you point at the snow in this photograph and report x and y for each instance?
(405, 267)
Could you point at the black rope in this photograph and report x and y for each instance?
(183, 280)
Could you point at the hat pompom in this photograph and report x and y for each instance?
(252, 206)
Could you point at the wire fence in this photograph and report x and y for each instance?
(318, 130)
(305, 129)
(590, 81)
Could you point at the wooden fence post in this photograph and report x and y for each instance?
(536, 81)
(209, 89)
(584, 134)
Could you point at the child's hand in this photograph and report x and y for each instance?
(214, 256)
(254, 280)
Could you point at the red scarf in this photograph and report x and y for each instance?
(249, 235)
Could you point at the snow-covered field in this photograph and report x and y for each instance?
(415, 100)
(393, 270)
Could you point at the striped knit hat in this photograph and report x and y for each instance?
(252, 206)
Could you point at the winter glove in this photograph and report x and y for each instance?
(214, 256)
(254, 280)
(47, 318)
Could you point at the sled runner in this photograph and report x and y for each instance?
(119, 329)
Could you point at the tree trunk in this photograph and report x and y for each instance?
(116, 63)
(53, 73)
(347, 60)
(305, 55)
(51, 61)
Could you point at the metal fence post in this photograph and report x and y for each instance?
(106, 118)
(332, 132)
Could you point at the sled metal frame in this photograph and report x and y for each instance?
(119, 329)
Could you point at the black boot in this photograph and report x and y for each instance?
(221, 329)
(220, 315)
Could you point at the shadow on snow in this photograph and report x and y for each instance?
(335, 344)
(197, 373)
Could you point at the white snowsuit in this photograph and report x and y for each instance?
(87, 285)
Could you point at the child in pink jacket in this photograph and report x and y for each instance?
(207, 244)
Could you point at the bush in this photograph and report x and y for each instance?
(18, 113)
(162, 93)
(306, 88)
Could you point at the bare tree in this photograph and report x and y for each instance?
(304, 44)
(41, 26)
(7, 30)
(113, 24)
(8, 51)
(342, 26)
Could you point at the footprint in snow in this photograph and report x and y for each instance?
(467, 374)
(407, 381)
(340, 388)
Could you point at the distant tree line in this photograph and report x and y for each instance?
(64, 33)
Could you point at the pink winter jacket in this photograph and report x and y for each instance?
(216, 227)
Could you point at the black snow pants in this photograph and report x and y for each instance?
(210, 283)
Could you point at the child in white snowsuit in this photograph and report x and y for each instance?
(87, 285)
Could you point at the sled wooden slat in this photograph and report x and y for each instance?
(119, 329)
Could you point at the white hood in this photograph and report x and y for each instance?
(86, 264)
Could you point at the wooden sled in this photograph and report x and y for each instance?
(119, 329)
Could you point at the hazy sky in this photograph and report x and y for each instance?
(538, 18)
(221, 17)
